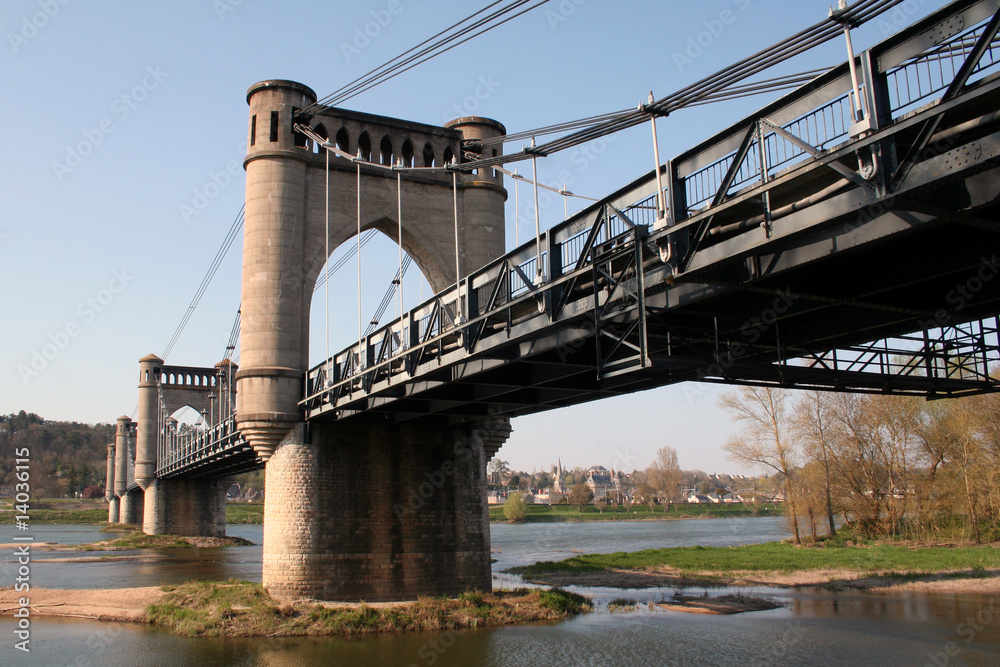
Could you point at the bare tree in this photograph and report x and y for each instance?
(665, 474)
(580, 495)
(764, 442)
(812, 423)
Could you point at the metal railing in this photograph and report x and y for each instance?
(922, 76)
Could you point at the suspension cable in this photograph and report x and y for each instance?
(699, 91)
(450, 37)
(220, 255)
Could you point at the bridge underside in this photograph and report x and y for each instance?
(767, 314)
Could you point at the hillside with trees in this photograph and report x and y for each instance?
(66, 457)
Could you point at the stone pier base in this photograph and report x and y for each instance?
(113, 506)
(131, 507)
(192, 507)
(377, 512)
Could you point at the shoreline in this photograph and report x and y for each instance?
(945, 581)
(245, 609)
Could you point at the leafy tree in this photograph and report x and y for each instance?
(514, 510)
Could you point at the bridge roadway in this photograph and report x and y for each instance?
(861, 257)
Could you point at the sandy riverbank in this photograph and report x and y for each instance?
(115, 604)
(984, 582)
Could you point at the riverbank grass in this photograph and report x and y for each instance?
(139, 540)
(778, 557)
(242, 608)
(557, 513)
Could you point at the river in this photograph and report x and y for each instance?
(815, 627)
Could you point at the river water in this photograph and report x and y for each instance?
(814, 627)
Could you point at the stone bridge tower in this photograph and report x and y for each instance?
(175, 506)
(357, 510)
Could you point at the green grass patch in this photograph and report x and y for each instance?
(555, 513)
(240, 608)
(139, 540)
(50, 516)
(563, 602)
(245, 513)
(781, 557)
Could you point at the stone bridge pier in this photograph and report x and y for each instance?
(355, 510)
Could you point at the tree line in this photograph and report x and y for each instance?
(67, 458)
(890, 466)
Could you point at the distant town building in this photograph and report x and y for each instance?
(603, 481)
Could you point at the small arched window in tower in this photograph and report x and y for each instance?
(299, 138)
(448, 156)
(385, 150)
(321, 131)
(428, 155)
(365, 146)
(273, 135)
(343, 142)
(494, 170)
(253, 129)
(407, 153)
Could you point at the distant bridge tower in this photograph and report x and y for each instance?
(177, 506)
(358, 510)
(109, 488)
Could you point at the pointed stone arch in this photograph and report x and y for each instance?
(343, 140)
(385, 150)
(407, 152)
(365, 146)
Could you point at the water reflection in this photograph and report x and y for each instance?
(814, 627)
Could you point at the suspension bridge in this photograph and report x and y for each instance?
(841, 238)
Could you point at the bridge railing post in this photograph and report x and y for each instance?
(879, 105)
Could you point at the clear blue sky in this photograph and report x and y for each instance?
(120, 114)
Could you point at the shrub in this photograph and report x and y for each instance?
(514, 509)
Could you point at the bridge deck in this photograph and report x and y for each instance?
(798, 251)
